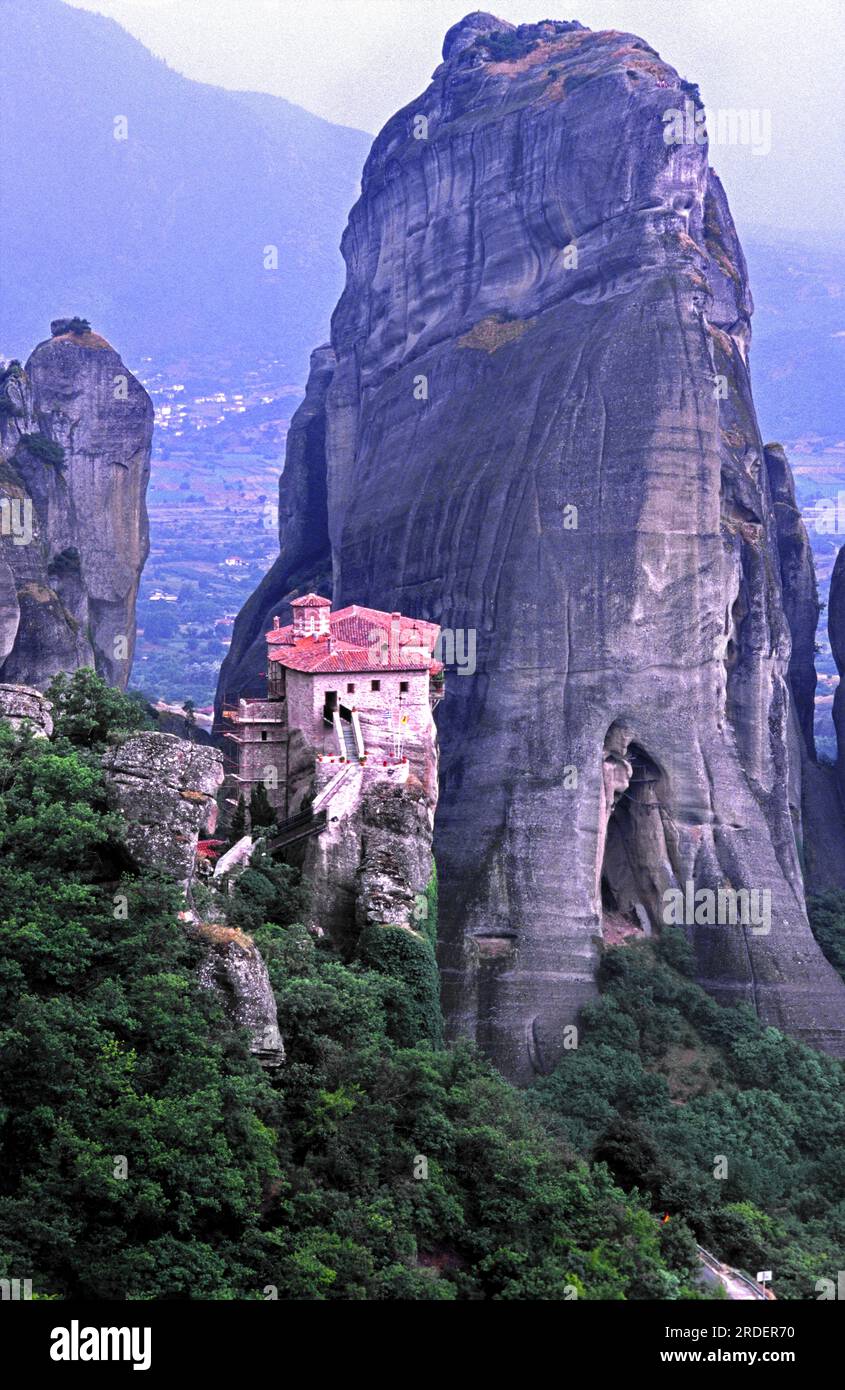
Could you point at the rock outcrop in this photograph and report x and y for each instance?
(372, 862)
(23, 707)
(800, 591)
(165, 790)
(234, 969)
(836, 634)
(539, 429)
(75, 432)
(395, 862)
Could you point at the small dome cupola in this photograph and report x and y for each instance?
(311, 616)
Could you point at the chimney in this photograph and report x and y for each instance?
(276, 623)
(394, 638)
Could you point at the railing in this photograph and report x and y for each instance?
(322, 798)
(297, 828)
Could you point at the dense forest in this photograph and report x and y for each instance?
(146, 1154)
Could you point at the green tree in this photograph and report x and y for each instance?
(190, 710)
(237, 826)
(261, 813)
(88, 713)
(138, 1133)
(664, 1080)
(145, 1153)
(267, 892)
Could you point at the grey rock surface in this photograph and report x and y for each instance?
(800, 591)
(165, 788)
(836, 634)
(22, 705)
(823, 829)
(75, 433)
(373, 861)
(235, 970)
(487, 382)
(395, 862)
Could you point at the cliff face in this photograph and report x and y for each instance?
(814, 799)
(372, 863)
(539, 429)
(75, 433)
(836, 633)
(800, 591)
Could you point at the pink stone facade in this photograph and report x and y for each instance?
(337, 683)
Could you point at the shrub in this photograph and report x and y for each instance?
(505, 47)
(88, 713)
(267, 892)
(13, 371)
(413, 1004)
(75, 325)
(43, 448)
(827, 919)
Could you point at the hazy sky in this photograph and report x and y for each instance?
(357, 61)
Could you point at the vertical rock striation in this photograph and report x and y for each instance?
(546, 322)
(800, 591)
(836, 633)
(75, 433)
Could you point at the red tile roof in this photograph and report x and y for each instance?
(360, 641)
(311, 601)
(207, 849)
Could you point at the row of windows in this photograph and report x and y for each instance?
(376, 685)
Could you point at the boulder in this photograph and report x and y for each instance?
(234, 970)
(165, 788)
(21, 704)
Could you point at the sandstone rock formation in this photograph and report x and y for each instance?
(372, 862)
(165, 790)
(836, 633)
(800, 591)
(396, 863)
(538, 426)
(75, 432)
(235, 970)
(23, 707)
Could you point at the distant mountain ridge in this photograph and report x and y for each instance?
(160, 237)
